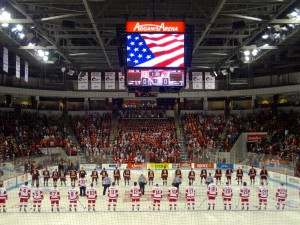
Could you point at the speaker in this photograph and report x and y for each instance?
(68, 24)
(238, 25)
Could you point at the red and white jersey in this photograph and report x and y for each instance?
(173, 193)
(72, 194)
(113, 192)
(156, 193)
(37, 194)
(212, 190)
(3, 193)
(135, 192)
(82, 182)
(263, 192)
(24, 192)
(91, 193)
(54, 194)
(227, 192)
(190, 192)
(244, 192)
(281, 192)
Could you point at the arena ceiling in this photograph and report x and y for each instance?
(82, 33)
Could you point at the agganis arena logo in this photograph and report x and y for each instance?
(154, 28)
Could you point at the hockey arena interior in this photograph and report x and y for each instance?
(150, 112)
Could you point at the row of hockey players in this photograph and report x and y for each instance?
(164, 175)
(135, 194)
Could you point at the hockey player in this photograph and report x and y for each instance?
(135, 194)
(156, 196)
(264, 175)
(3, 197)
(91, 195)
(103, 173)
(113, 195)
(38, 196)
(281, 195)
(73, 176)
(178, 172)
(82, 172)
(116, 175)
(55, 176)
(126, 176)
(228, 173)
(164, 176)
(191, 176)
(262, 195)
(218, 175)
(203, 175)
(173, 196)
(95, 176)
(54, 198)
(150, 176)
(208, 179)
(62, 177)
(35, 175)
(46, 175)
(24, 194)
(82, 185)
(239, 175)
(190, 194)
(212, 192)
(227, 195)
(245, 194)
(252, 175)
(73, 196)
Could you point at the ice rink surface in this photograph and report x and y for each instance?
(124, 214)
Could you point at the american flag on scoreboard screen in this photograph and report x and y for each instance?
(155, 50)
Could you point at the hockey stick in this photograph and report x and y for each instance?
(202, 202)
(81, 204)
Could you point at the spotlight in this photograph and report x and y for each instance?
(21, 35)
(265, 36)
(224, 72)
(254, 52)
(41, 53)
(215, 73)
(4, 24)
(294, 14)
(247, 58)
(5, 15)
(63, 69)
(31, 44)
(19, 27)
(45, 58)
(46, 53)
(277, 28)
(247, 53)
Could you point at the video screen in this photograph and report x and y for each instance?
(155, 77)
(155, 50)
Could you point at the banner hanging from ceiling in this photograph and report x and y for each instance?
(5, 60)
(197, 80)
(110, 80)
(210, 81)
(18, 67)
(121, 81)
(26, 72)
(83, 81)
(96, 80)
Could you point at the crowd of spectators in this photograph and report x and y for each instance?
(153, 140)
(136, 113)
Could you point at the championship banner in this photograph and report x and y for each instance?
(197, 80)
(210, 81)
(187, 81)
(5, 60)
(121, 81)
(18, 67)
(96, 80)
(110, 80)
(26, 72)
(83, 81)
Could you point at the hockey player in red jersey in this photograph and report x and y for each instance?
(3, 197)
(212, 192)
(156, 196)
(54, 198)
(227, 195)
(113, 195)
(38, 196)
(281, 195)
(135, 194)
(173, 196)
(150, 176)
(218, 175)
(191, 176)
(262, 195)
(190, 194)
(203, 175)
(178, 172)
(116, 175)
(95, 176)
(55, 176)
(46, 175)
(91, 195)
(239, 175)
(103, 173)
(164, 175)
(245, 194)
(228, 173)
(62, 177)
(252, 175)
(24, 194)
(73, 197)
(73, 176)
(35, 176)
(264, 175)
(126, 176)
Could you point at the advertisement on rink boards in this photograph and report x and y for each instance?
(137, 165)
(225, 166)
(160, 165)
(88, 167)
(185, 165)
(204, 165)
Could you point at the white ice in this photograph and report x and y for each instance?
(124, 215)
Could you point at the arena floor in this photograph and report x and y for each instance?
(124, 215)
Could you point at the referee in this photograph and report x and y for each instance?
(106, 183)
(177, 181)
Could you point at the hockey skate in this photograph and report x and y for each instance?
(224, 207)
(57, 209)
(213, 207)
(75, 209)
(208, 208)
(243, 208)
(70, 209)
(259, 208)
